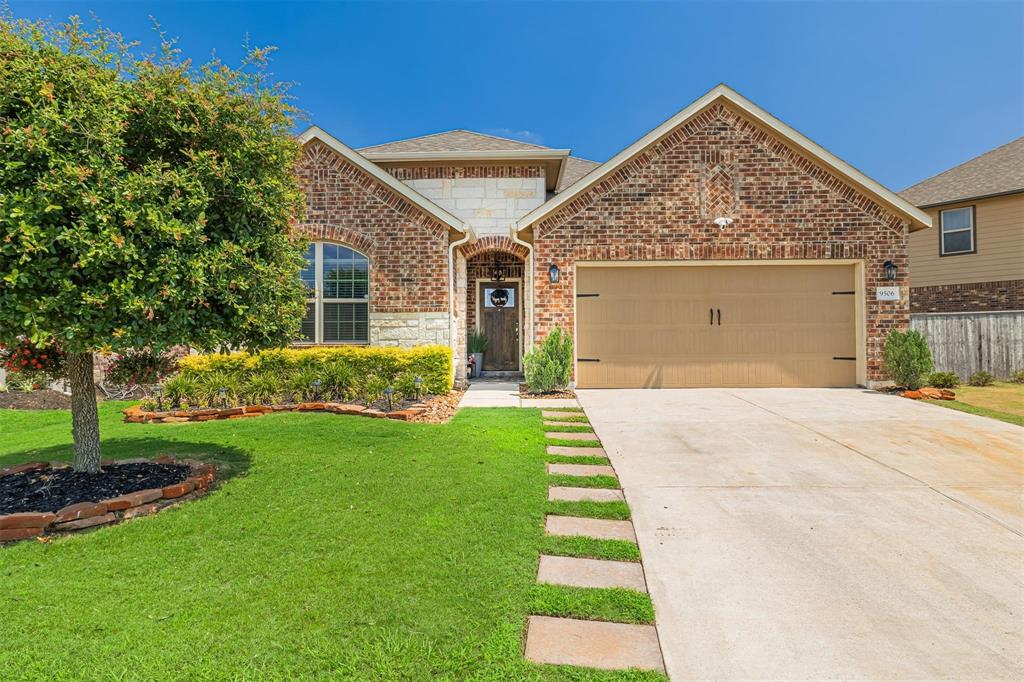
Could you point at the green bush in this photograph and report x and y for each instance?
(907, 358)
(345, 373)
(1018, 377)
(477, 342)
(181, 389)
(943, 380)
(550, 366)
(981, 378)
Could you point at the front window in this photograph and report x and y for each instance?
(338, 280)
(957, 231)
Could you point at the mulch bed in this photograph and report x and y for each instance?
(524, 392)
(48, 490)
(35, 400)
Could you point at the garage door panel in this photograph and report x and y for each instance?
(780, 326)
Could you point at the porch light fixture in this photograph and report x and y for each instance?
(497, 269)
(890, 270)
(554, 273)
(723, 222)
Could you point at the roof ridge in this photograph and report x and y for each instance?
(449, 132)
(417, 137)
(963, 163)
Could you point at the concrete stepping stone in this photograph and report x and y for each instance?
(558, 493)
(559, 414)
(581, 469)
(593, 644)
(571, 435)
(601, 529)
(569, 451)
(547, 423)
(579, 572)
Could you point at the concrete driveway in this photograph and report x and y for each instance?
(806, 533)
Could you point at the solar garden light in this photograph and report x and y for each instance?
(418, 381)
(223, 391)
(388, 393)
(316, 389)
(158, 391)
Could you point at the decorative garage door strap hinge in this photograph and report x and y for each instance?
(588, 359)
(587, 295)
(843, 357)
(843, 293)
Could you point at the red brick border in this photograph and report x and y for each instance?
(82, 515)
(137, 415)
(973, 297)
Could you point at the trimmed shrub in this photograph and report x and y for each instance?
(943, 380)
(981, 378)
(344, 373)
(140, 367)
(550, 366)
(1018, 377)
(907, 358)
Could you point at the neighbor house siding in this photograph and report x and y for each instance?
(786, 208)
(407, 248)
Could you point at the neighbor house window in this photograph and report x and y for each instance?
(956, 227)
(338, 308)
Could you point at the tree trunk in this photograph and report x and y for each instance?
(85, 418)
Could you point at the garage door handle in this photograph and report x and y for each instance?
(711, 312)
(719, 317)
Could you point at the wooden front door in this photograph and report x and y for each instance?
(499, 320)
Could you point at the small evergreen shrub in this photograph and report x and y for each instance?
(477, 342)
(981, 378)
(1018, 377)
(549, 366)
(943, 380)
(907, 358)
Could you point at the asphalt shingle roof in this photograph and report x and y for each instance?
(452, 141)
(996, 172)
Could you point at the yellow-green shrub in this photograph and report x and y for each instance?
(366, 368)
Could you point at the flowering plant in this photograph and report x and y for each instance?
(34, 363)
(140, 368)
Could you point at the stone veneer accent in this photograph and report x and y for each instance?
(406, 330)
(654, 208)
(973, 297)
(489, 198)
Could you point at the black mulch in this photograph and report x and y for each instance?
(48, 490)
(35, 400)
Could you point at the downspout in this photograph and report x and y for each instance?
(453, 331)
(530, 265)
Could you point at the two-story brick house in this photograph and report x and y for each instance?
(721, 249)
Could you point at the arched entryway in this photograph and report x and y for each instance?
(495, 296)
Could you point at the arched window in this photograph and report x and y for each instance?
(338, 279)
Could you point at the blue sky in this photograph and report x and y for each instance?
(900, 90)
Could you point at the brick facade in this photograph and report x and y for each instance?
(975, 297)
(659, 206)
(407, 248)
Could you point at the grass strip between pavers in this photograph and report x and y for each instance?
(592, 603)
(583, 481)
(581, 428)
(573, 443)
(590, 548)
(618, 511)
(562, 409)
(574, 418)
(576, 459)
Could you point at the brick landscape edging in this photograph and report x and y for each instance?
(137, 415)
(82, 515)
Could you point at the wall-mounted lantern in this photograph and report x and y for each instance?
(890, 271)
(497, 269)
(554, 273)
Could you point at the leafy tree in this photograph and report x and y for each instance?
(144, 203)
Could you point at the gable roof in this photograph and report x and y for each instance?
(385, 178)
(1000, 171)
(450, 141)
(575, 168)
(917, 218)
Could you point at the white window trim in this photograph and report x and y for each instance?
(318, 300)
(943, 231)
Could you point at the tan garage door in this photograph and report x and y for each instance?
(720, 325)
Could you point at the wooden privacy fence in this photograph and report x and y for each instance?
(966, 343)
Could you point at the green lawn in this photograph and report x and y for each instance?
(338, 547)
(1002, 400)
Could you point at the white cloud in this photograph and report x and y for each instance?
(521, 135)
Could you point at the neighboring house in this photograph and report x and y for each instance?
(721, 249)
(973, 260)
(967, 281)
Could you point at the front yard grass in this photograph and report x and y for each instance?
(1003, 401)
(335, 547)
